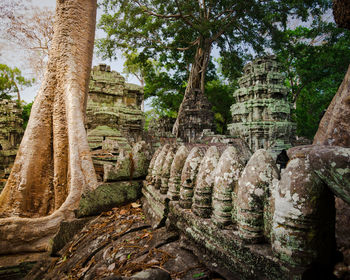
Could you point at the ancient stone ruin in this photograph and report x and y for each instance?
(196, 117)
(113, 107)
(226, 194)
(261, 114)
(249, 217)
(11, 132)
(120, 173)
(114, 127)
(161, 127)
(114, 121)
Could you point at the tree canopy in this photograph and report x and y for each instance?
(174, 27)
(184, 32)
(315, 60)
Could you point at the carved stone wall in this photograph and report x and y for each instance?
(114, 104)
(196, 117)
(11, 133)
(161, 127)
(261, 114)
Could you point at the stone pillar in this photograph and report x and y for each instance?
(151, 164)
(261, 114)
(303, 222)
(254, 199)
(166, 170)
(158, 165)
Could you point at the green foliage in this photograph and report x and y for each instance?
(10, 81)
(171, 30)
(26, 109)
(150, 115)
(138, 65)
(220, 95)
(171, 33)
(309, 111)
(198, 275)
(315, 60)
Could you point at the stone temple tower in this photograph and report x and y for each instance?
(261, 114)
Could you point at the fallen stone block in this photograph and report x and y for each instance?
(107, 196)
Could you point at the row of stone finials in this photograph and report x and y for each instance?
(205, 179)
(231, 186)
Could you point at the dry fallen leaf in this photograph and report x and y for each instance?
(135, 205)
(123, 212)
(111, 267)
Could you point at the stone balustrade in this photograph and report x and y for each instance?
(253, 219)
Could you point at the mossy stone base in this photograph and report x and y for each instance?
(223, 246)
(229, 251)
(107, 196)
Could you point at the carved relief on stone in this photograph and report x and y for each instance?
(196, 116)
(166, 169)
(151, 164)
(204, 185)
(254, 198)
(140, 158)
(158, 165)
(226, 173)
(176, 171)
(189, 175)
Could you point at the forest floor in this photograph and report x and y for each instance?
(121, 244)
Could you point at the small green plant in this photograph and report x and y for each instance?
(197, 275)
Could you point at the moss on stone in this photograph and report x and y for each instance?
(107, 196)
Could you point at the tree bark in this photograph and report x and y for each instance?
(53, 165)
(341, 12)
(196, 79)
(334, 128)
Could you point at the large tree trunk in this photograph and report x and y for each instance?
(196, 80)
(53, 165)
(334, 128)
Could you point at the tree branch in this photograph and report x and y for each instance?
(224, 12)
(184, 17)
(152, 13)
(159, 42)
(223, 29)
